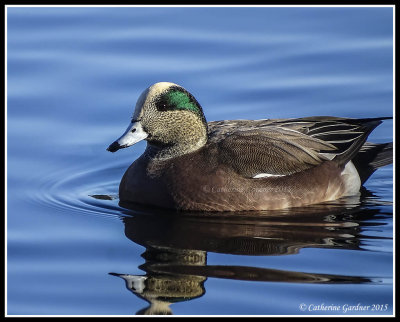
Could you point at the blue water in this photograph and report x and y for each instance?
(73, 77)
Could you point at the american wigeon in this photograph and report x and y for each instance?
(190, 164)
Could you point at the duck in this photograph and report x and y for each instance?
(190, 164)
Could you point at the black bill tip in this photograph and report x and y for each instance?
(115, 146)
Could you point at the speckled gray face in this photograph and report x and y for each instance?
(167, 116)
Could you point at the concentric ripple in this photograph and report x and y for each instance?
(91, 192)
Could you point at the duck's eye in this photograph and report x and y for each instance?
(162, 105)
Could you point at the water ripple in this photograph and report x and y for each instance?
(74, 193)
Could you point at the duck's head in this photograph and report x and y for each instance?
(168, 117)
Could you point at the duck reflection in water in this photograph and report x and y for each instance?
(177, 245)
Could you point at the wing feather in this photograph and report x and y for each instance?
(286, 146)
(272, 150)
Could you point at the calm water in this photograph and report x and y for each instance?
(74, 75)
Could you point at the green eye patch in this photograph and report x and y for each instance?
(177, 98)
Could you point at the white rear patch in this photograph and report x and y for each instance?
(351, 179)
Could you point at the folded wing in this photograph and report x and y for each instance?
(287, 146)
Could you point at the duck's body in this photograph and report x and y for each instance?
(190, 164)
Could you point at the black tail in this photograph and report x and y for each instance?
(364, 128)
(372, 156)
